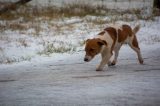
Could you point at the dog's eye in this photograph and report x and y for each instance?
(92, 50)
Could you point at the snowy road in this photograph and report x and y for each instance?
(68, 81)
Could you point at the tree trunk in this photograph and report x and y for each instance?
(156, 4)
(13, 6)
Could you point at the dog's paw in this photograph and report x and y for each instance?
(141, 61)
(98, 69)
(111, 63)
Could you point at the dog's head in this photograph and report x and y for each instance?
(93, 47)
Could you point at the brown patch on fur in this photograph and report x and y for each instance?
(124, 33)
(102, 42)
(113, 33)
(101, 33)
(135, 42)
(127, 30)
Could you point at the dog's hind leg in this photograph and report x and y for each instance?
(134, 45)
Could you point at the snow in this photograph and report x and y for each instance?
(68, 33)
(64, 79)
(129, 4)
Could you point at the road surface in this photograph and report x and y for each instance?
(69, 81)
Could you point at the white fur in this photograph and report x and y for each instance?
(107, 38)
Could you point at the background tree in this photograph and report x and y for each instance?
(13, 6)
(156, 4)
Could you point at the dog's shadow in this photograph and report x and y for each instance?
(93, 76)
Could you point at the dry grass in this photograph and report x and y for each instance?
(49, 48)
(12, 26)
(10, 60)
(68, 10)
(36, 15)
(23, 42)
(156, 12)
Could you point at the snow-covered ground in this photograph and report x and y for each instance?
(34, 70)
(47, 38)
(111, 4)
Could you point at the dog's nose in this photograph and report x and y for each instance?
(85, 59)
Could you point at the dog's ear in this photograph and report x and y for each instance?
(102, 42)
(87, 40)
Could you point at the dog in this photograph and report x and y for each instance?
(110, 40)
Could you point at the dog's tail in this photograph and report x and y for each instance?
(136, 28)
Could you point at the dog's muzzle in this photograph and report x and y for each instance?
(87, 58)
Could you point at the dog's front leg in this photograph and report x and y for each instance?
(101, 65)
(106, 55)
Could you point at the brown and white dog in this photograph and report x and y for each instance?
(109, 40)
